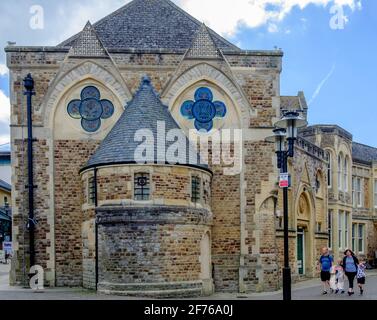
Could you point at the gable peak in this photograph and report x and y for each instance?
(203, 45)
(88, 44)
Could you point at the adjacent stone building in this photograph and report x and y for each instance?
(169, 228)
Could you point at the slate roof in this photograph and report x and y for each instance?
(363, 153)
(143, 112)
(88, 44)
(150, 24)
(294, 102)
(203, 45)
(5, 186)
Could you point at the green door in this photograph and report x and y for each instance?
(300, 252)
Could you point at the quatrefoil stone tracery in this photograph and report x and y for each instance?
(203, 110)
(90, 109)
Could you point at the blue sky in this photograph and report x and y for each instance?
(314, 52)
(335, 68)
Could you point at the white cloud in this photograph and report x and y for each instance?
(230, 15)
(3, 69)
(321, 84)
(4, 107)
(4, 118)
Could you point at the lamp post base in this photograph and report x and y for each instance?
(287, 284)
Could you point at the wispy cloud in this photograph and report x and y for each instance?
(321, 84)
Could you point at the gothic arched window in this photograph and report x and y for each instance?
(345, 174)
(329, 169)
(340, 171)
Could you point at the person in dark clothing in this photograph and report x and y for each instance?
(350, 264)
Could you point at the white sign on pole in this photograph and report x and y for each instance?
(284, 180)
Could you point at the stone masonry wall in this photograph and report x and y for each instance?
(42, 211)
(69, 158)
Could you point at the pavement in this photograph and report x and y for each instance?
(305, 290)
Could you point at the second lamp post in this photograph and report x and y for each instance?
(286, 131)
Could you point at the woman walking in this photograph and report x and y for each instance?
(350, 264)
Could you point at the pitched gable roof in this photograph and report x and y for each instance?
(87, 44)
(203, 45)
(150, 24)
(143, 112)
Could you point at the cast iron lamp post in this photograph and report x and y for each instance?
(286, 129)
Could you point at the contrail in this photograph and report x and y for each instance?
(322, 83)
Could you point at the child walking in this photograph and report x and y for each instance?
(339, 277)
(333, 282)
(361, 276)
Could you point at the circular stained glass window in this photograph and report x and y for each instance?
(91, 126)
(220, 109)
(108, 109)
(91, 109)
(204, 111)
(203, 126)
(203, 94)
(186, 109)
(90, 92)
(74, 109)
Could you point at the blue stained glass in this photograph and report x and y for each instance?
(186, 109)
(74, 109)
(203, 94)
(90, 109)
(90, 92)
(220, 109)
(91, 126)
(203, 126)
(203, 109)
(108, 109)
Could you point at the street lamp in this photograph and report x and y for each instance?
(286, 128)
(278, 138)
(291, 121)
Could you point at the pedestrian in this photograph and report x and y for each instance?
(339, 277)
(361, 276)
(333, 284)
(350, 264)
(325, 262)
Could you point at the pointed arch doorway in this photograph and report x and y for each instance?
(305, 235)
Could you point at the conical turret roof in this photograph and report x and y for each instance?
(145, 111)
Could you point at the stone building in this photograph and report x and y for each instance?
(352, 190)
(163, 228)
